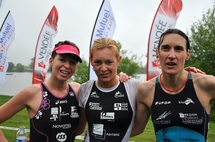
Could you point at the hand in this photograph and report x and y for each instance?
(193, 69)
(123, 77)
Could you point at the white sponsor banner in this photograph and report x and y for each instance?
(7, 35)
(105, 26)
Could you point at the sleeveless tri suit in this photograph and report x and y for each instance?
(57, 118)
(109, 112)
(179, 117)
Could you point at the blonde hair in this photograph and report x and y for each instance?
(102, 43)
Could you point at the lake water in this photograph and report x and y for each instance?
(18, 81)
(15, 82)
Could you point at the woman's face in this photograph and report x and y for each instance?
(63, 66)
(105, 64)
(172, 53)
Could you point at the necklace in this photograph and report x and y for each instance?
(173, 90)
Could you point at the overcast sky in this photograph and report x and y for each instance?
(77, 18)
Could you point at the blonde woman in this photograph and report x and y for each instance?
(109, 105)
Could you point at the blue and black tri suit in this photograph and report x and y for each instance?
(179, 117)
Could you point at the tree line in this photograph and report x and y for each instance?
(131, 64)
(16, 68)
(202, 43)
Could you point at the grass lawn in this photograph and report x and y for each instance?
(21, 118)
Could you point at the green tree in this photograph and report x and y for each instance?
(81, 75)
(131, 63)
(203, 46)
(10, 66)
(202, 42)
(31, 63)
(20, 67)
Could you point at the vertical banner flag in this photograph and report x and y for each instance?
(0, 3)
(105, 26)
(7, 35)
(44, 47)
(165, 18)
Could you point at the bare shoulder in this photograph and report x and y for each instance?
(26, 97)
(147, 86)
(30, 92)
(205, 87)
(145, 91)
(75, 86)
(204, 84)
(203, 80)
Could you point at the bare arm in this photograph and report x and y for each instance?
(205, 89)
(82, 122)
(205, 84)
(142, 113)
(14, 105)
(211, 87)
(2, 137)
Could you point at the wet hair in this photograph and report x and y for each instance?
(65, 42)
(103, 43)
(174, 31)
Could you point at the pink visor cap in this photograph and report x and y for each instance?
(68, 49)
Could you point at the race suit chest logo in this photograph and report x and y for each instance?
(62, 126)
(162, 118)
(121, 106)
(74, 112)
(162, 102)
(187, 101)
(107, 115)
(61, 137)
(95, 106)
(94, 95)
(61, 102)
(191, 118)
(118, 95)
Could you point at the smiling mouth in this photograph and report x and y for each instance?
(104, 75)
(65, 72)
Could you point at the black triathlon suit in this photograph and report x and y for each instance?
(179, 117)
(109, 111)
(57, 118)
